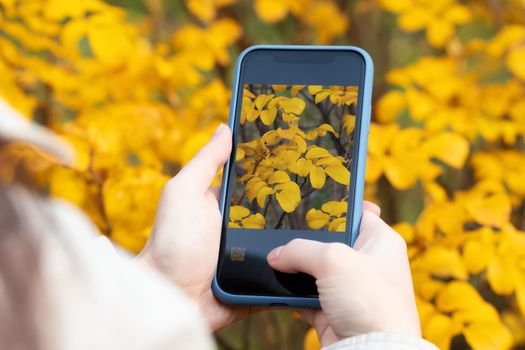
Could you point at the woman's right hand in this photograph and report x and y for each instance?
(363, 289)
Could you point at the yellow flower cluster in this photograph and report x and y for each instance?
(137, 96)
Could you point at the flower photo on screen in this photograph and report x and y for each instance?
(292, 168)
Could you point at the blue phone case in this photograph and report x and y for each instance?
(362, 124)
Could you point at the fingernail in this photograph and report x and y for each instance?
(218, 131)
(274, 254)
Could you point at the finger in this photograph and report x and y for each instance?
(201, 170)
(372, 207)
(375, 235)
(311, 257)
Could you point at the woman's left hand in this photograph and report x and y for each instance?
(184, 242)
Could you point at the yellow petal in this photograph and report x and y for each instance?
(339, 174)
(317, 177)
(316, 219)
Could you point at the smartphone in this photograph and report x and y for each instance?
(300, 117)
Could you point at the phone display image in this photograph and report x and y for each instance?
(293, 156)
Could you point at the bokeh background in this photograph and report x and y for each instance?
(138, 86)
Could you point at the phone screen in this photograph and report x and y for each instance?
(290, 176)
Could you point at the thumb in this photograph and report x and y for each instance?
(201, 170)
(312, 257)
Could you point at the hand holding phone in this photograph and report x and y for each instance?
(363, 289)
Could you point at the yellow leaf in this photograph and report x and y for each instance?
(202, 9)
(261, 196)
(253, 187)
(293, 105)
(280, 88)
(458, 14)
(492, 211)
(316, 219)
(295, 89)
(520, 298)
(261, 100)
(247, 93)
(441, 262)
(317, 152)
(311, 342)
(448, 147)
(400, 174)
(335, 208)
(477, 255)
(439, 330)
(458, 295)
(253, 221)
(288, 196)
(329, 161)
(278, 177)
(234, 225)
(238, 212)
(339, 174)
(390, 105)
(324, 128)
(240, 154)
(110, 44)
(439, 32)
(301, 167)
(252, 115)
(314, 89)
(321, 96)
(414, 19)
(69, 185)
(271, 11)
(502, 276)
(337, 225)
(405, 230)
(317, 177)
(488, 335)
(268, 116)
(515, 62)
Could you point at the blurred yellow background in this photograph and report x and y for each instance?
(137, 87)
